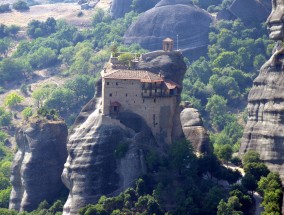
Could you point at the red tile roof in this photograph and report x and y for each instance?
(142, 75)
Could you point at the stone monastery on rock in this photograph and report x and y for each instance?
(147, 94)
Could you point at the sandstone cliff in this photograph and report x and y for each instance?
(264, 131)
(38, 163)
(93, 168)
(167, 19)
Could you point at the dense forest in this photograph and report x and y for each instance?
(216, 84)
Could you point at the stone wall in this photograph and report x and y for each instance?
(153, 110)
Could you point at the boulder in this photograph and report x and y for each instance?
(169, 19)
(251, 10)
(38, 164)
(194, 130)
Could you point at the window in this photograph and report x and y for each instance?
(116, 83)
(126, 94)
(107, 83)
(110, 95)
(155, 100)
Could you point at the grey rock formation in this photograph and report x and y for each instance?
(264, 131)
(92, 169)
(120, 7)
(251, 10)
(169, 64)
(38, 164)
(194, 130)
(169, 20)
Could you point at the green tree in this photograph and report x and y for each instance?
(181, 156)
(224, 153)
(4, 8)
(249, 182)
(125, 58)
(5, 117)
(43, 57)
(251, 157)
(21, 6)
(4, 46)
(13, 99)
(216, 107)
(258, 170)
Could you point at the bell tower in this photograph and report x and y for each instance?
(168, 45)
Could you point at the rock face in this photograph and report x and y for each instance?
(251, 10)
(169, 19)
(264, 131)
(38, 164)
(194, 130)
(93, 168)
(120, 7)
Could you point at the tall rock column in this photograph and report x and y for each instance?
(38, 163)
(264, 131)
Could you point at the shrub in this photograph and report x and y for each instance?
(121, 149)
(21, 6)
(27, 112)
(5, 8)
(13, 99)
(5, 117)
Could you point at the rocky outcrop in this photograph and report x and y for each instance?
(38, 163)
(264, 131)
(251, 10)
(93, 167)
(194, 130)
(169, 19)
(120, 7)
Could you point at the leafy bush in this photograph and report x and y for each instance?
(5, 117)
(4, 8)
(27, 112)
(121, 149)
(13, 99)
(21, 6)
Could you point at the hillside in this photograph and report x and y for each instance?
(65, 11)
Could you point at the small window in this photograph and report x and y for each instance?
(116, 83)
(136, 94)
(155, 100)
(126, 94)
(110, 95)
(107, 83)
(134, 102)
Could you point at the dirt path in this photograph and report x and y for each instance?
(256, 196)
